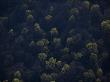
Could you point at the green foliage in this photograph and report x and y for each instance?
(74, 11)
(89, 74)
(98, 80)
(59, 63)
(37, 27)
(51, 63)
(30, 17)
(54, 32)
(57, 42)
(72, 18)
(24, 31)
(93, 57)
(42, 42)
(16, 80)
(52, 81)
(11, 32)
(49, 68)
(32, 43)
(45, 49)
(65, 68)
(71, 32)
(3, 18)
(17, 74)
(46, 42)
(42, 56)
(4, 81)
(46, 77)
(65, 51)
(95, 8)
(70, 40)
(48, 17)
(99, 72)
(78, 56)
(105, 25)
(86, 4)
(92, 46)
(17, 77)
(28, 12)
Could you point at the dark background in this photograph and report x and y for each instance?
(7, 6)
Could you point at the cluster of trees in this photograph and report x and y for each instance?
(52, 42)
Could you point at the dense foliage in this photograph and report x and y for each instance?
(44, 41)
